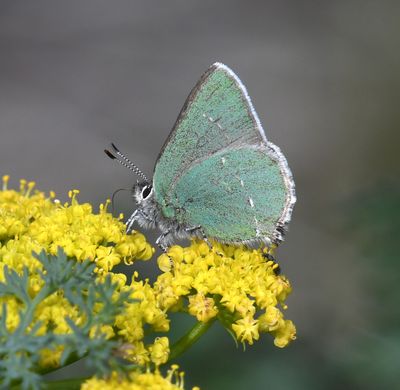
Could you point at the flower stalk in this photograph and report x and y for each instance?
(186, 341)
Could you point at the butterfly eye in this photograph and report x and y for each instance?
(146, 192)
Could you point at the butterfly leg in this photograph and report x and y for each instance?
(204, 237)
(161, 241)
(199, 229)
(131, 220)
(164, 247)
(136, 215)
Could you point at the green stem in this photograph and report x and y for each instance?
(186, 341)
(66, 384)
(27, 316)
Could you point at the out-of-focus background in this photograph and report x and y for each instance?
(324, 77)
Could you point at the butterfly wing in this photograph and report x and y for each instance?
(236, 195)
(217, 118)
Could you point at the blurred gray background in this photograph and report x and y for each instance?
(324, 79)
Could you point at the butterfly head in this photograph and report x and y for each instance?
(147, 211)
(142, 192)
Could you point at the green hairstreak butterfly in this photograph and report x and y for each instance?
(217, 176)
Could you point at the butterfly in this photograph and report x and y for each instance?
(217, 177)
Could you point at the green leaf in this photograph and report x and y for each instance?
(15, 284)
(96, 301)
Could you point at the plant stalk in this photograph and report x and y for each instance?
(186, 341)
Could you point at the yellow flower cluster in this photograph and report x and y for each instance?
(233, 284)
(31, 221)
(139, 381)
(236, 279)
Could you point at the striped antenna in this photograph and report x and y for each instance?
(125, 162)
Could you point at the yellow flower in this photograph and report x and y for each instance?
(202, 308)
(52, 311)
(13, 307)
(285, 334)
(106, 258)
(106, 330)
(165, 292)
(135, 352)
(139, 381)
(246, 329)
(164, 263)
(159, 351)
(271, 320)
(134, 246)
(51, 357)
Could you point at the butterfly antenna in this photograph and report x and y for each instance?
(125, 161)
(129, 162)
